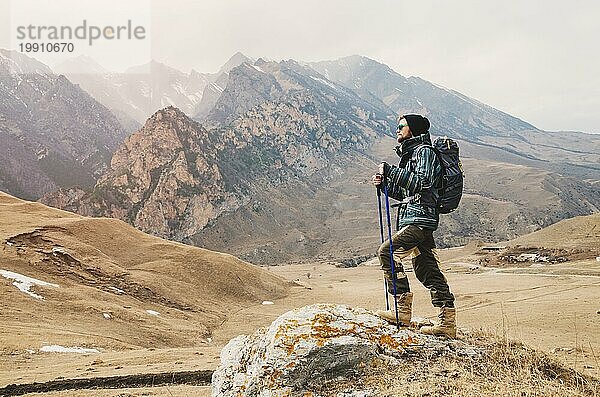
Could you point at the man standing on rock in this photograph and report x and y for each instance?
(414, 183)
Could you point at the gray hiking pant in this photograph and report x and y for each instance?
(412, 240)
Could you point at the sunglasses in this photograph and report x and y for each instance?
(400, 126)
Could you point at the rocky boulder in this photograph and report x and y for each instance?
(305, 347)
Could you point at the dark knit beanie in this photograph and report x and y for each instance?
(418, 124)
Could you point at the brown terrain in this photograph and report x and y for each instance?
(542, 289)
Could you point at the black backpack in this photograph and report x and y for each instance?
(451, 186)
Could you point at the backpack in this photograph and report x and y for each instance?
(451, 186)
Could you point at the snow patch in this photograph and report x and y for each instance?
(117, 290)
(267, 303)
(320, 80)
(152, 312)
(106, 316)
(441, 87)
(62, 349)
(24, 283)
(194, 98)
(216, 87)
(58, 250)
(178, 87)
(257, 68)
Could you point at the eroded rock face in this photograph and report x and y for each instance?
(306, 346)
(164, 179)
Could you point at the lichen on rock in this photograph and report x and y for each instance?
(307, 346)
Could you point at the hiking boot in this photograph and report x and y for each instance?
(446, 325)
(404, 310)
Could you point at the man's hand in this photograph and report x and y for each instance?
(384, 168)
(377, 179)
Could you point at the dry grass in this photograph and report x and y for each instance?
(107, 267)
(506, 369)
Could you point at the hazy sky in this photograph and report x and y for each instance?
(537, 60)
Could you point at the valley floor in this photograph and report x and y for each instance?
(554, 308)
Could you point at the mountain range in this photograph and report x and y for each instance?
(273, 162)
(140, 91)
(173, 162)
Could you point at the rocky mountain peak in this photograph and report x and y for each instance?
(166, 130)
(236, 59)
(351, 67)
(216, 84)
(164, 178)
(166, 133)
(247, 87)
(167, 114)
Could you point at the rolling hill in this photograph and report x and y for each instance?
(106, 285)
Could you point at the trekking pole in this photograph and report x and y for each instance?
(387, 301)
(389, 224)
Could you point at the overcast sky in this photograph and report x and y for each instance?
(537, 60)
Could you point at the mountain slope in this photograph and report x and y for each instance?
(53, 133)
(503, 201)
(580, 232)
(333, 215)
(456, 115)
(115, 287)
(450, 112)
